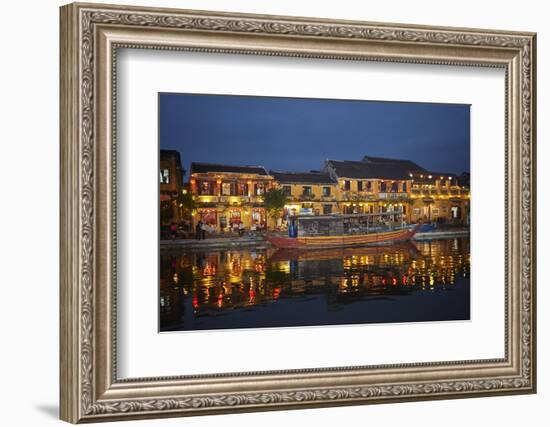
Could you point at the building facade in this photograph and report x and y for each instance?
(227, 196)
(439, 197)
(308, 193)
(366, 186)
(376, 184)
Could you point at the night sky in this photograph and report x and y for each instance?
(300, 134)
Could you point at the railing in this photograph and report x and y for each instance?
(441, 192)
(203, 198)
(424, 192)
(306, 197)
(361, 196)
(391, 195)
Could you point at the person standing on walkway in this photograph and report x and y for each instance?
(198, 230)
(203, 230)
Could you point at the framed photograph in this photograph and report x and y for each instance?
(266, 212)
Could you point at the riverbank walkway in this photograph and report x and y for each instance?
(257, 241)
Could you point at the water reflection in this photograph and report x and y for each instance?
(418, 281)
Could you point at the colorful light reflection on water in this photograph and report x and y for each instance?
(409, 282)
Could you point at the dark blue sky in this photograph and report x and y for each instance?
(300, 134)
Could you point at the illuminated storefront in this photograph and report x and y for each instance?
(258, 218)
(230, 197)
(208, 216)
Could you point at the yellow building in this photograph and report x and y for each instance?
(367, 187)
(439, 197)
(308, 193)
(227, 196)
(376, 184)
(231, 196)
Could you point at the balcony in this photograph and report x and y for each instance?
(229, 200)
(361, 196)
(391, 195)
(441, 192)
(306, 197)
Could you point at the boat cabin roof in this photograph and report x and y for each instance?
(340, 217)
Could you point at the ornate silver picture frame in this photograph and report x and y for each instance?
(91, 390)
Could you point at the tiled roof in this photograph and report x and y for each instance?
(212, 167)
(302, 177)
(408, 165)
(375, 167)
(358, 170)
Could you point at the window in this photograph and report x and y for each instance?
(226, 189)
(165, 176)
(259, 189)
(286, 190)
(404, 187)
(242, 189)
(205, 188)
(368, 187)
(347, 185)
(359, 185)
(382, 187)
(394, 187)
(306, 191)
(327, 209)
(326, 191)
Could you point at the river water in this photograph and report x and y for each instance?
(243, 288)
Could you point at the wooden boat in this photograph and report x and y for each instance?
(328, 231)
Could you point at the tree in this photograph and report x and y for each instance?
(187, 203)
(275, 200)
(166, 211)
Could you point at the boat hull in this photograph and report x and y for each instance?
(315, 242)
